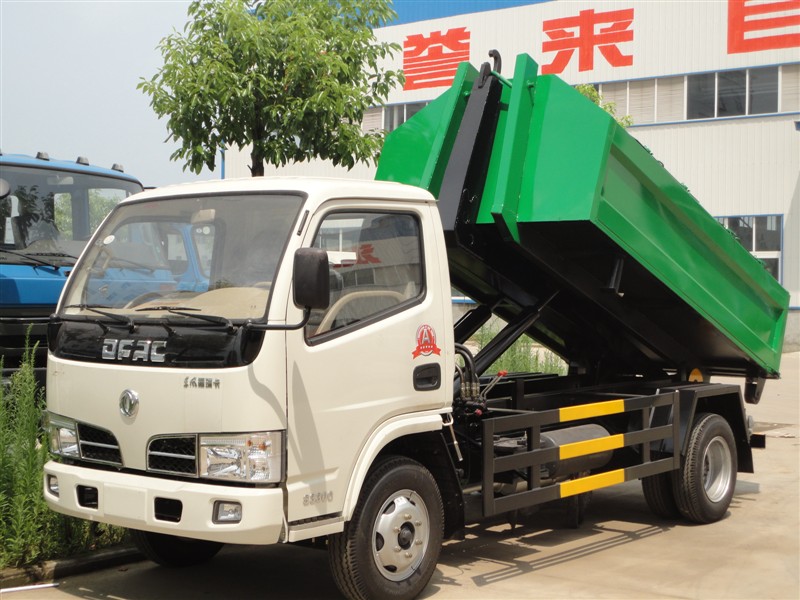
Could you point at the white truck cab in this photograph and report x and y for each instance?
(220, 409)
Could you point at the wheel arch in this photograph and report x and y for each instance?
(430, 450)
(419, 439)
(725, 401)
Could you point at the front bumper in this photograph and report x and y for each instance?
(129, 501)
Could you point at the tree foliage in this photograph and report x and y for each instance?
(291, 77)
(100, 204)
(590, 92)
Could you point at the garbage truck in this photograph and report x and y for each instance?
(48, 210)
(312, 385)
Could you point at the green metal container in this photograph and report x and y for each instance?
(564, 200)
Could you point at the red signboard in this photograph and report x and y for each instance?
(584, 32)
(432, 61)
(757, 25)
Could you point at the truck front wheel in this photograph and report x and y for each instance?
(390, 547)
(705, 483)
(174, 551)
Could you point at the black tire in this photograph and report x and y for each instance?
(575, 510)
(705, 483)
(391, 546)
(174, 551)
(660, 496)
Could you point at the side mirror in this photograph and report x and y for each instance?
(311, 278)
(5, 188)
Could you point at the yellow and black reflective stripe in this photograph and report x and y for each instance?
(582, 485)
(591, 482)
(589, 411)
(575, 449)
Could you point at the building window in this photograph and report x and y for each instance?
(700, 96)
(757, 91)
(763, 91)
(397, 114)
(373, 118)
(732, 93)
(761, 236)
(790, 88)
(642, 100)
(616, 93)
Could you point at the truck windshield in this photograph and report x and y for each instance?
(49, 214)
(201, 259)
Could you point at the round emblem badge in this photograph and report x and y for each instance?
(426, 342)
(129, 403)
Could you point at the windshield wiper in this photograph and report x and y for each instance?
(56, 254)
(99, 310)
(31, 257)
(184, 311)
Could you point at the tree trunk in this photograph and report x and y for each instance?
(257, 165)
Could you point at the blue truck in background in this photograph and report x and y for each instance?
(48, 211)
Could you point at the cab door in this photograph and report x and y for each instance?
(376, 353)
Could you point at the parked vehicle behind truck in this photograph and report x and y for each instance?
(313, 386)
(48, 211)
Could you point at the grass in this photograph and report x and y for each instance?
(29, 531)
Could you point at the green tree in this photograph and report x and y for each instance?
(588, 90)
(291, 77)
(100, 204)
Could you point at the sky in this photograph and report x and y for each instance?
(68, 76)
(418, 10)
(69, 70)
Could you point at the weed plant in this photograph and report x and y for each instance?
(524, 356)
(29, 531)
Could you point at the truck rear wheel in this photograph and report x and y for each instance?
(705, 483)
(660, 496)
(390, 547)
(174, 551)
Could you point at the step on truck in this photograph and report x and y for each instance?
(312, 385)
(48, 210)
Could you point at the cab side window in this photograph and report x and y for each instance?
(375, 265)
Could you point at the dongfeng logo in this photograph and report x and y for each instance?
(135, 350)
(129, 403)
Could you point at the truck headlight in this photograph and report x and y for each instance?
(250, 457)
(63, 435)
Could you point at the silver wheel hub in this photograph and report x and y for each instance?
(400, 535)
(717, 467)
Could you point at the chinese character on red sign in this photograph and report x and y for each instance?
(755, 25)
(432, 61)
(366, 255)
(581, 33)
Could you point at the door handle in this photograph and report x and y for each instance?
(427, 377)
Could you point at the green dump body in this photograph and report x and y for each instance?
(563, 210)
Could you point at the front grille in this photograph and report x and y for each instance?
(173, 454)
(98, 445)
